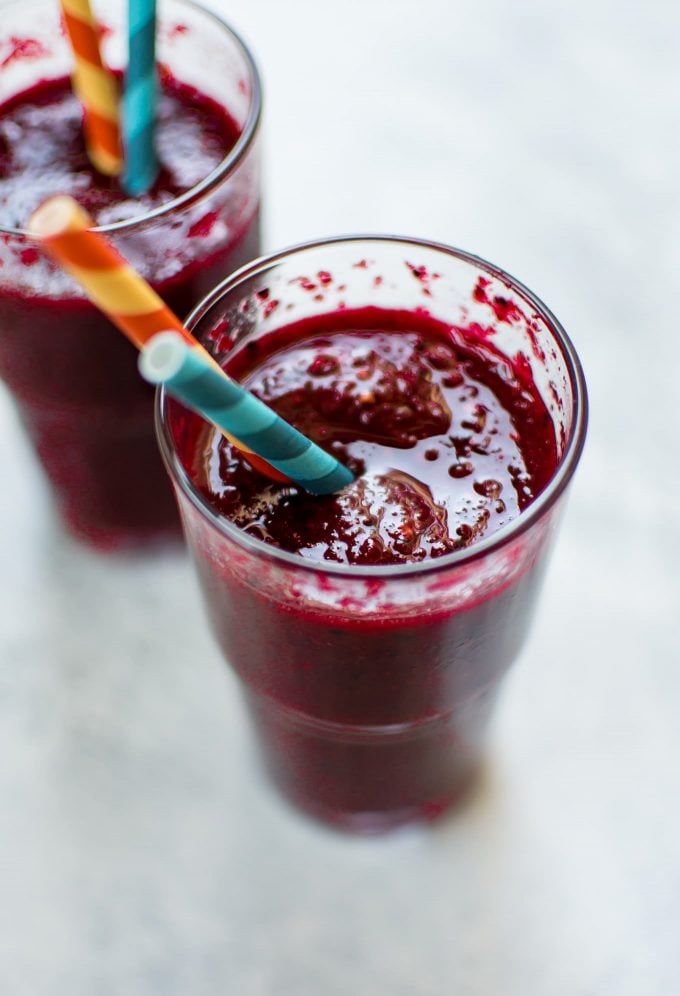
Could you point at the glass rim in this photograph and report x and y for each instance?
(228, 165)
(506, 534)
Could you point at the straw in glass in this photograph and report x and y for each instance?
(61, 225)
(96, 88)
(168, 359)
(140, 99)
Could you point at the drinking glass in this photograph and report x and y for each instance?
(73, 376)
(371, 687)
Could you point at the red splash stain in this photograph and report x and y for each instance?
(503, 309)
(556, 395)
(506, 311)
(373, 588)
(23, 48)
(419, 272)
(29, 257)
(479, 293)
(220, 336)
(522, 369)
(304, 282)
(474, 332)
(203, 226)
(533, 328)
(220, 328)
(324, 583)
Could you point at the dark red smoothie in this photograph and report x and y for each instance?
(368, 720)
(446, 444)
(73, 375)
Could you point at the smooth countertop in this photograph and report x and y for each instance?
(141, 852)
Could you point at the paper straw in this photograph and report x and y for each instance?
(140, 98)
(109, 281)
(96, 88)
(168, 359)
(120, 292)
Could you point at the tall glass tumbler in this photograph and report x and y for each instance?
(73, 376)
(371, 687)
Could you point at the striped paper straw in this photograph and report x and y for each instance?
(168, 359)
(96, 88)
(106, 277)
(108, 280)
(139, 99)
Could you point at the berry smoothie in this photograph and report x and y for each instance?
(371, 703)
(445, 447)
(72, 374)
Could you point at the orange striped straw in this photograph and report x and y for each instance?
(109, 281)
(96, 88)
(107, 278)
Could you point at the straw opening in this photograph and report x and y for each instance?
(162, 357)
(55, 216)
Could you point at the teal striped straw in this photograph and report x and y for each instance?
(169, 359)
(139, 99)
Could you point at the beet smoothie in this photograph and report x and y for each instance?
(371, 628)
(73, 376)
(444, 448)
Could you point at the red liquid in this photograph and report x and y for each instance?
(369, 721)
(73, 375)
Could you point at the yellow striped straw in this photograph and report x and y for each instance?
(109, 281)
(96, 88)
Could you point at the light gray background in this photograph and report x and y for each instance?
(140, 851)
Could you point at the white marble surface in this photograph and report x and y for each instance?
(140, 852)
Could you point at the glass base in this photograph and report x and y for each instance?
(374, 823)
(366, 779)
